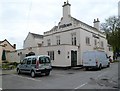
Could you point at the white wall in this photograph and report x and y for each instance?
(29, 41)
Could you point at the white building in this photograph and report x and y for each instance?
(119, 9)
(66, 42)
(33, 40)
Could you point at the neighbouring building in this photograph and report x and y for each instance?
(5, 47)
(33, 40)
(66, 42)
(119, 9)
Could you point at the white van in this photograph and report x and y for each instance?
(95, 59)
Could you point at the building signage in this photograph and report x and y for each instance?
(65, 25)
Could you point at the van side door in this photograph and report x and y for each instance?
(28, 66)
(23, 64)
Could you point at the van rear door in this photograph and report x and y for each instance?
(44, 62)
(89, 59)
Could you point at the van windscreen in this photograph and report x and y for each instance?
(44, 60)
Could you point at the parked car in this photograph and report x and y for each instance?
(95, 59)
(35, 65)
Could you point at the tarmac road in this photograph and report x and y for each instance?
(106, 78)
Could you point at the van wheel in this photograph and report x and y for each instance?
(18, 71)
(32, 74)
(108, 65)
(100, 67)
(47, 73)
(86, 68)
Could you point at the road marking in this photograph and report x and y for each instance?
(27, 78)
(81, 85)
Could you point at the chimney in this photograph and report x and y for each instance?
(66, 9)
(97, 24)
(14, 46)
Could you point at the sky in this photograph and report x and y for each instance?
(19, 17)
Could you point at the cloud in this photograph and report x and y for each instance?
(18, 17)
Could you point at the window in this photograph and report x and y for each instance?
(95, 42)
(39, 45)
(34, 61)
(47, 60)
(110, 48)
(48, 42)
(44, 60)
(29, 61)
(73, 35)
(87, 40)
(102, 45)
(24, 61)
(58, 40)
(51, 54)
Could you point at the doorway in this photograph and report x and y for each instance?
(73, 58)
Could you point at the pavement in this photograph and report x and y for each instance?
(76, 78)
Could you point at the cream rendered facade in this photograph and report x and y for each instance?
(5, 45)
(66, 42)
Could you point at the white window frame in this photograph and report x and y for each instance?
(87, 40)
(73, 39)
(48, 42)
(58, 40)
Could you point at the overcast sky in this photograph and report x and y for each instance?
(19, 17)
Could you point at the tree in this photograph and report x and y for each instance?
(112, 29)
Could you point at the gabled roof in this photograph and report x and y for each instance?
(36, 35)
(86, 24)
(7, 42)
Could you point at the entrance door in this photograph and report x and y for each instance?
(73, 58)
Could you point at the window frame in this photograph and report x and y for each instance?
(87, 40)
(73, 39)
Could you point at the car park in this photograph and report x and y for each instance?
(95, 59)
(35, 65)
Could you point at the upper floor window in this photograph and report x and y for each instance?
(58, 40)
(39, 45)
(87, 40)
(73, 35)
(95, 42)
(102, 44)
(48, 42)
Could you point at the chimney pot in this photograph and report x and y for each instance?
(97, 19)
(94, 21)
(14, 46)
(64, 3)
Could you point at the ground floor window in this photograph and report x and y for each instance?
(51, 54)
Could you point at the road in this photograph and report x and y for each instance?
(106, 78)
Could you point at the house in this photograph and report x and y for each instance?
(66, 42)
(33, 40)
(5, 47)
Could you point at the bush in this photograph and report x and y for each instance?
(116, 61)
(8, 65)
(13, 63)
